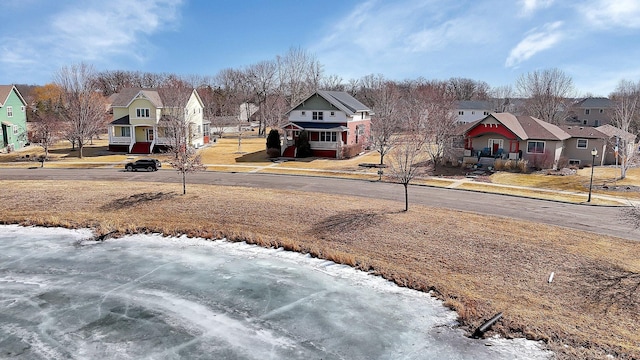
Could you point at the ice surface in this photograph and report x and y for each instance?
(151, 297)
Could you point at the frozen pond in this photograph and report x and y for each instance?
(149, 297)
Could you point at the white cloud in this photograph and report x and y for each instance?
(531, 6)
(94, 31)
(537, 40)
(612, 14)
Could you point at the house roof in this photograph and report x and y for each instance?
(526, 127)
(340, 100)
(585, 132)
(160, 98)
(5, 92)
(594, 102)
(612, 131)
(316, 125)
(474, 105)
(121, 121)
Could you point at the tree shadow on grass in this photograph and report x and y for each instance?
(137, 199)
(347, 222)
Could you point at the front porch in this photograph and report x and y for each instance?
(323, 142)
(143, 141)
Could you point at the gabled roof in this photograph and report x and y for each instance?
(594, 102)
(527, 127)
(585, 132)
(612, 131)
(160, 98)
(340, 100)
(474, 105)
(5, 92)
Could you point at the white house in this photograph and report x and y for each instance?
(138, 116)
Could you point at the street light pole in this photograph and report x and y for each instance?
(594, 152)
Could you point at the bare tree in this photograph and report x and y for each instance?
(385, 123)
(47, 126)
(626, 115)
(468, 89)
(438, 119)
(82, 107)
(547, 94)
(299, 74)
(179, 128)
(262, 79)
(407, 161)
(501, 98)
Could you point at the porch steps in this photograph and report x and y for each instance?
(141, 148)
(289, 152)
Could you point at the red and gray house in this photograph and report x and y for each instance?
(333, 119)
(515, 137)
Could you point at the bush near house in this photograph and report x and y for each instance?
(274, 149)
(349, 151)
(302, 145)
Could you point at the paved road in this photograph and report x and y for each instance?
(599, 219)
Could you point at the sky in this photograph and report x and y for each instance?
(595, 42)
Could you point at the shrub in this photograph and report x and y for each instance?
(499, 164)
(273, 140)
(563, 162)
(349, 151)
(302, 145)
(522, 166)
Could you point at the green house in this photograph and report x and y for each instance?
(13, 118)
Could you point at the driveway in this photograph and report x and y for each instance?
(598, 219)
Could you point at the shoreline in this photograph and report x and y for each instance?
(476, 266)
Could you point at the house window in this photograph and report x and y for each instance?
(584, 122)
(460, 112)
(317, 115)
(582, 143)
(125, 131)
(574, 162)
(596, 123)
(22, 108)
(303, 113)
(328, 136)
(473, 113)
(333, 113)
(9, 111)
(15, 129)
(535, 147)
(142, 113)
(587, 111)
(601, 111)
(486, 113)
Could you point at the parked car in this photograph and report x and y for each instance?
(146, 164)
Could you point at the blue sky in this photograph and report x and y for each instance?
(596, 42)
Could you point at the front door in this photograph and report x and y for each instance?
(494, 145)
(149, 135)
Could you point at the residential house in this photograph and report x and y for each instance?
(577, 149)
(515, 137)
(616, 138)
(141, 119)
(591, 111)
(334, 120)
(472, 110)
(13, 118)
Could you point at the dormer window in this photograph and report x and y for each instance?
(142, 113)
(317, 115)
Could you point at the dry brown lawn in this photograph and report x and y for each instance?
(478, 265)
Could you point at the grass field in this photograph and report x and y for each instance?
(478, 265)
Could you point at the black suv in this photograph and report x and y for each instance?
(146, 164)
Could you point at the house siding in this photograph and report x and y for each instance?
(18, 120)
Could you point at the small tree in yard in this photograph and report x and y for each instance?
(626, 117)
(178, 129)
(406, 161)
